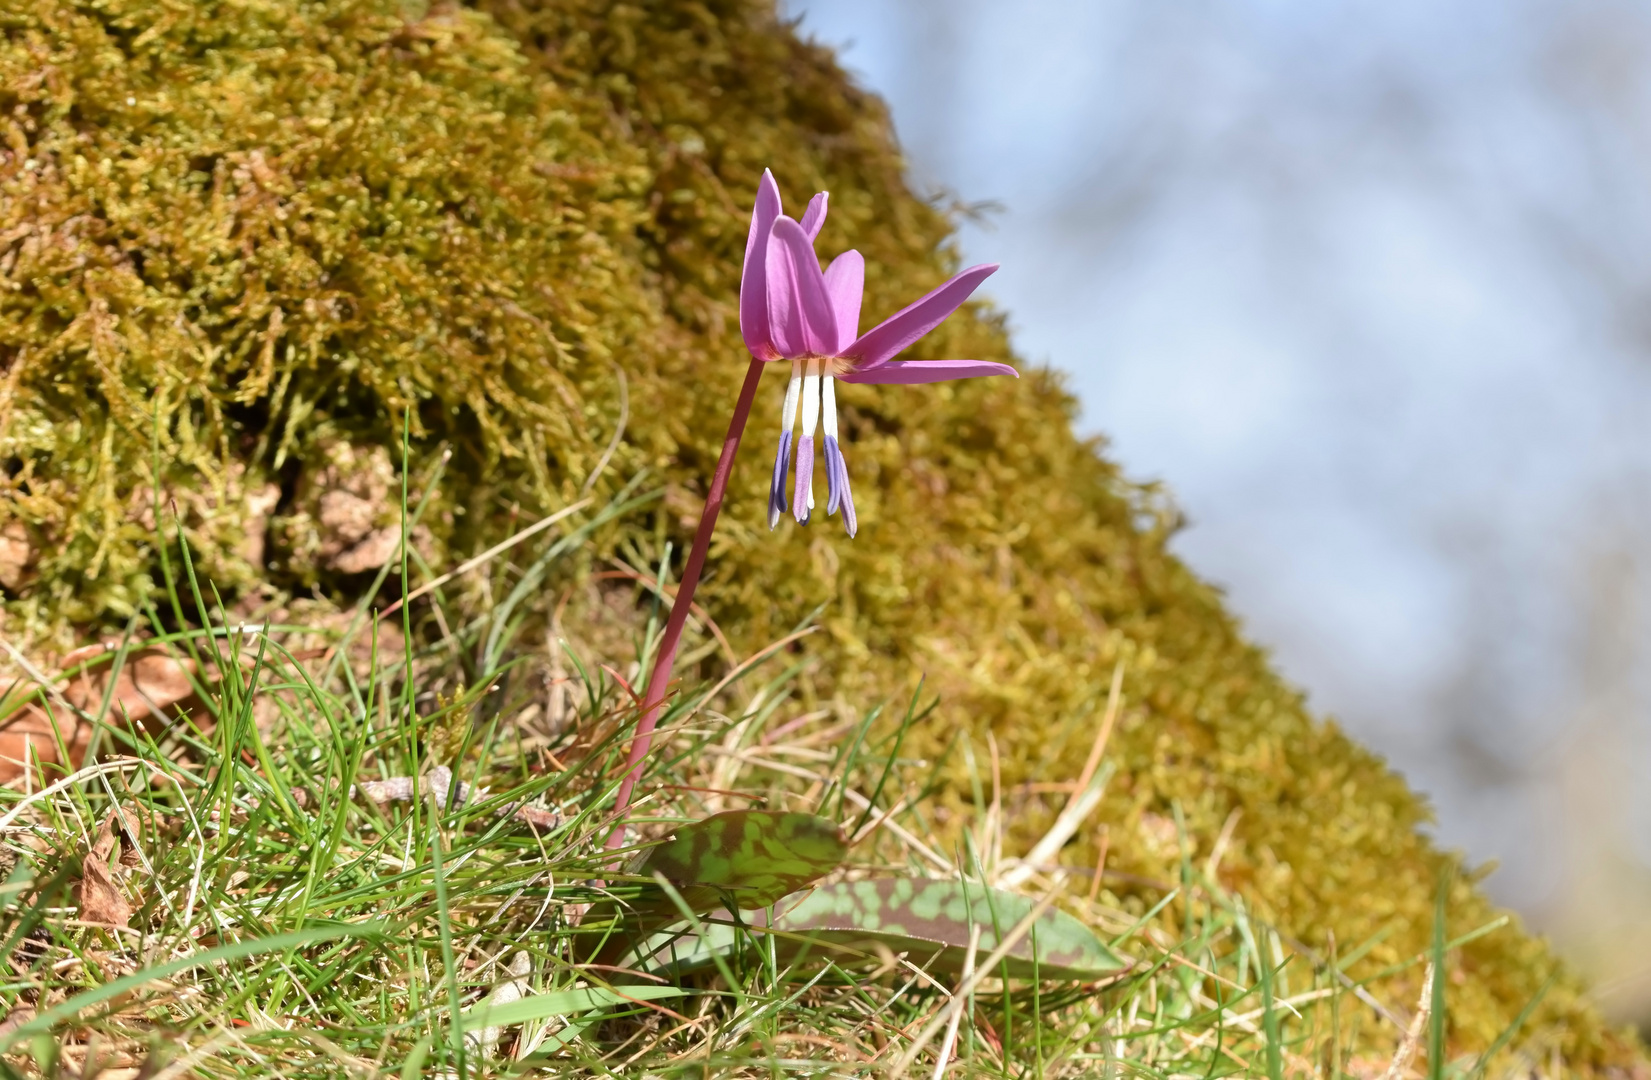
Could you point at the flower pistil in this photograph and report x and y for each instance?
(802, 497)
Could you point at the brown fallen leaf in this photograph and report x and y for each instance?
(151, 689)
(16, 1019)
(128, 824)
(151, 682)
(95, 1059)
(97, 892)
(27, 737)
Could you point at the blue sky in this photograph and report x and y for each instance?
(1366, 284)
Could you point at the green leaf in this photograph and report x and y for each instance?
(740, 858)
(561, 1003)
(929, 920)
(752, 857)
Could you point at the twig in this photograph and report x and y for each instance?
(965, 988)
(1100, 863)
(504, 545)
(860, 801)
(1114, 701)
(438, 783)
(1413, 1034)
(878, 817)
(45, 681)
(665, 592)
(758, 657)
(1213, 863)
(102, 768)
(1083, 800)
(1059, 833)
(945, 1056)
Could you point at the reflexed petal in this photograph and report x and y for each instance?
(801, 502)
(905, 326)
(776, 488)
(814, 217)
(911, 372)
(799, 308)
(845, 281)
(754, 278)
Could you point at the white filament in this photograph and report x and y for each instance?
(828, 395)
(811, 412)
(793, 391)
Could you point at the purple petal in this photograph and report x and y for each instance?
(805, 477)
(845, 281)
(837, 477)
(905, 326)
(799, 308)
(814, 217)
(911, 372)
(776, 488)
(785, 316)
(754, 279)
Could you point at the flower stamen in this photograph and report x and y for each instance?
(782, 459)
(802, 496)
(836, 468)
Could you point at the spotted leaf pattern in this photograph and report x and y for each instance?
(930, 921)
(740, 858)
(933, 920)
(752, 857)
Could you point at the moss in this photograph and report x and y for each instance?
(251, 234)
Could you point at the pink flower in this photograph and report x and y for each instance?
(790, 310)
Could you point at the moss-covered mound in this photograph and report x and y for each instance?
(237, 240)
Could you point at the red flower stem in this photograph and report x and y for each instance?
(660, 680)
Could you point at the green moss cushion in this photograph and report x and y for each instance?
(238, 239)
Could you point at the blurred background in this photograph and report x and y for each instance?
(1368, 284)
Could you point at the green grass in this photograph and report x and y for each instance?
(285, 927)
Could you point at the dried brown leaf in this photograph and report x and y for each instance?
(99, 897)
(152, 688)
(150, 684)
(97, 892)
(16, 1019)
(27, 735)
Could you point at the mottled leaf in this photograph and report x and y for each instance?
(916, 916)
(743, 858)
(929, 920)
(752, 857)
